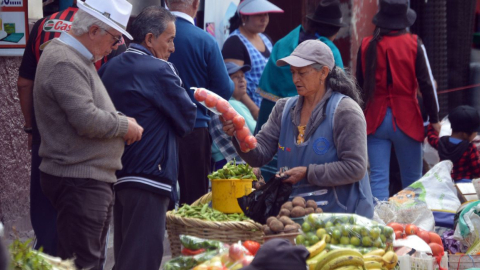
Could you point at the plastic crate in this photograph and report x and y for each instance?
(461, 262)
(408, 262)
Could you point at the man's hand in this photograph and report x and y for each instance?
(134, 132)
(295, 175)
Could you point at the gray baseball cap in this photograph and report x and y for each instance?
(309, 52)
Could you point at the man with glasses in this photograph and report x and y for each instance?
(42, 214)
(82, 134)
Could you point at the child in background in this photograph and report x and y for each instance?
(458, 147)
(223, 150)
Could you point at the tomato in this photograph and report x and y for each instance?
(399, 235)
(411, 229)
(425, 236)
(241, 134)
(200, 94)
(435, 238)
(437, 250)
(211, 101)
(222, 106)
(251, 246)
(238, 122)
(251, 141)
(230, 114)
(244, 147)
(396, 226)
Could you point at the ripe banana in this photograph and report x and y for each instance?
(350, 267)
(343, 261)
(317, 248)
(313, 261)
(373, 265)
(326, 258)
(375, 258)
(379, 252)
(390, 259)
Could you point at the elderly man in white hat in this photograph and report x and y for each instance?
(83, 135)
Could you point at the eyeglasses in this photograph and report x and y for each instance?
(117, 40)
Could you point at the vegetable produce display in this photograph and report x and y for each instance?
(213, 255)
(298, 207)
(232, 170)
(280, 225)
(348, 258)
(23, 257)
(402, 231)
(204, 212)
(345, 231)
(220, 106)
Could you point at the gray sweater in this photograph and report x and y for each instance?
(82, 135)
(350, 138)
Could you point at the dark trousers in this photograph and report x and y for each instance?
(139, 223)
(42, 214)
(84, 208)
(195, 152)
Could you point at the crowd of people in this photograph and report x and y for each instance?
(112, 130)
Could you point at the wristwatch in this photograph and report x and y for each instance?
(28, 130)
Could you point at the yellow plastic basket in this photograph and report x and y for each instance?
(226, 191)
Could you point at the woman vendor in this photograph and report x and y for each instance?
(319, 134)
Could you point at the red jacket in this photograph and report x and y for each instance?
(398, 54)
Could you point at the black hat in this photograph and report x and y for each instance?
(278, 254)
(328, 12)
(394, 14)
(464, 119)
(232, 68)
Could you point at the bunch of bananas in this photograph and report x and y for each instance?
(351, 259)
(379, 259)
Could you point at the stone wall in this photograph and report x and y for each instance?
(14, 155)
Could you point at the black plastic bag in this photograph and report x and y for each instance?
(265, 201)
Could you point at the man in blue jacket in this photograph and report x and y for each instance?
(200, 64)
(142, 84)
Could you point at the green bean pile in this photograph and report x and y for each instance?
(233, 171)
(204, 212)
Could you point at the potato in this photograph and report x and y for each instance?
(270, 219)
(298, 211)
(298, 201)
(276, 226)
(284, 212)
(309, 210)
(318, 210)
(267, 231)
(290, 228)
(287, 205)
(286, 221)
(312, 204)
(298, 226)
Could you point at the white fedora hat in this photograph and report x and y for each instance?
(115, 13)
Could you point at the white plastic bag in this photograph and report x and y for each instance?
(419, 215)
(435, 188)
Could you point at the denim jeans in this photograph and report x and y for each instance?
(408, 152)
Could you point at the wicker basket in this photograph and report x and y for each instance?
(226, 231)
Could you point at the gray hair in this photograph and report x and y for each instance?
(179, 3)
(342, 82)
(83, 21)
(152, 19)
